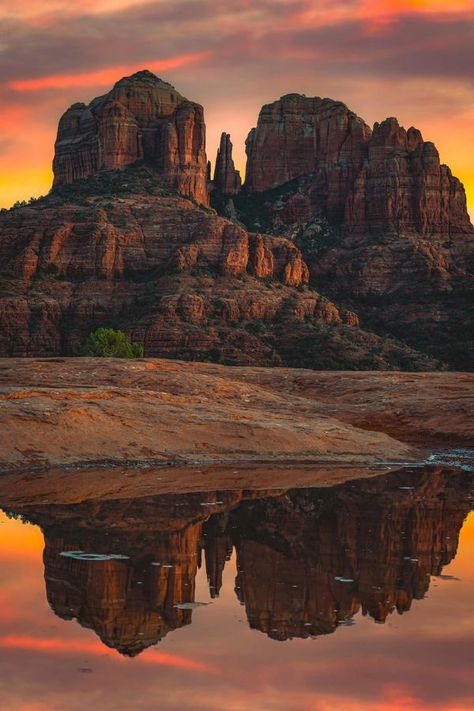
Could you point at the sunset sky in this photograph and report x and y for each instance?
(407, 58)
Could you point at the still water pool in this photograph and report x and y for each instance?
(356, 597)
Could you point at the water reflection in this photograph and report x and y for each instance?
(307, 560)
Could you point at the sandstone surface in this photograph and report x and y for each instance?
(66, 411)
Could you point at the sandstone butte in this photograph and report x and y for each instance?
(283, 538)
(381, 223)
(142, 118)
(345, 248)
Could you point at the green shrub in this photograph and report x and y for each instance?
(109, 343)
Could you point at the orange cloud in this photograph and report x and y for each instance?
(64, 646)
(104, 76)
(382, 7)
(376, 13)
(26, 9)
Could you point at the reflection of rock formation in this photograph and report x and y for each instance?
(218, 550)
(385, 536)
(129, 603)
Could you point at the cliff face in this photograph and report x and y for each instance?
(370, 218)
(365, 181)
(120, 250)
(141, 118)
(382, 224)
(383, 536)
(298, 136)
(403, 187)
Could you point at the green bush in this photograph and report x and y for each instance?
(109, 343)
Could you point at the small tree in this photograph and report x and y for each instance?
(109, 343)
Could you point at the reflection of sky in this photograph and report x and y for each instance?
(408, 58)
(418, 661)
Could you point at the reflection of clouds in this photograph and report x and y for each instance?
(67, 646)
(362, 668)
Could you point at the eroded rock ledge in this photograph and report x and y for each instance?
(80, 410)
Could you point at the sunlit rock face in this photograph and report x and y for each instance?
(367, 181)
(402, 186)
(141, 118)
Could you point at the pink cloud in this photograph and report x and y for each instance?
(64, 646)
(104, 76)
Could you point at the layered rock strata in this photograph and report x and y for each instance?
(381, 222)
(120, 250)
(297, 136)
(367, 181)
(141, 119)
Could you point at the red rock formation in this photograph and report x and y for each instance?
(184, 281)
(366, 182)
(141, 118)
(226, 177)
(382, 224)
(297, 136)
(403, 188)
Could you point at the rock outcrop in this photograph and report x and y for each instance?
(297, 136)
(141, 119)
(226, 177)
(402, 187)
(381, 222)
(369, 218)
(365, 181)
(119, 249)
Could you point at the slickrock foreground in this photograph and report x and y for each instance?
(83, 410)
